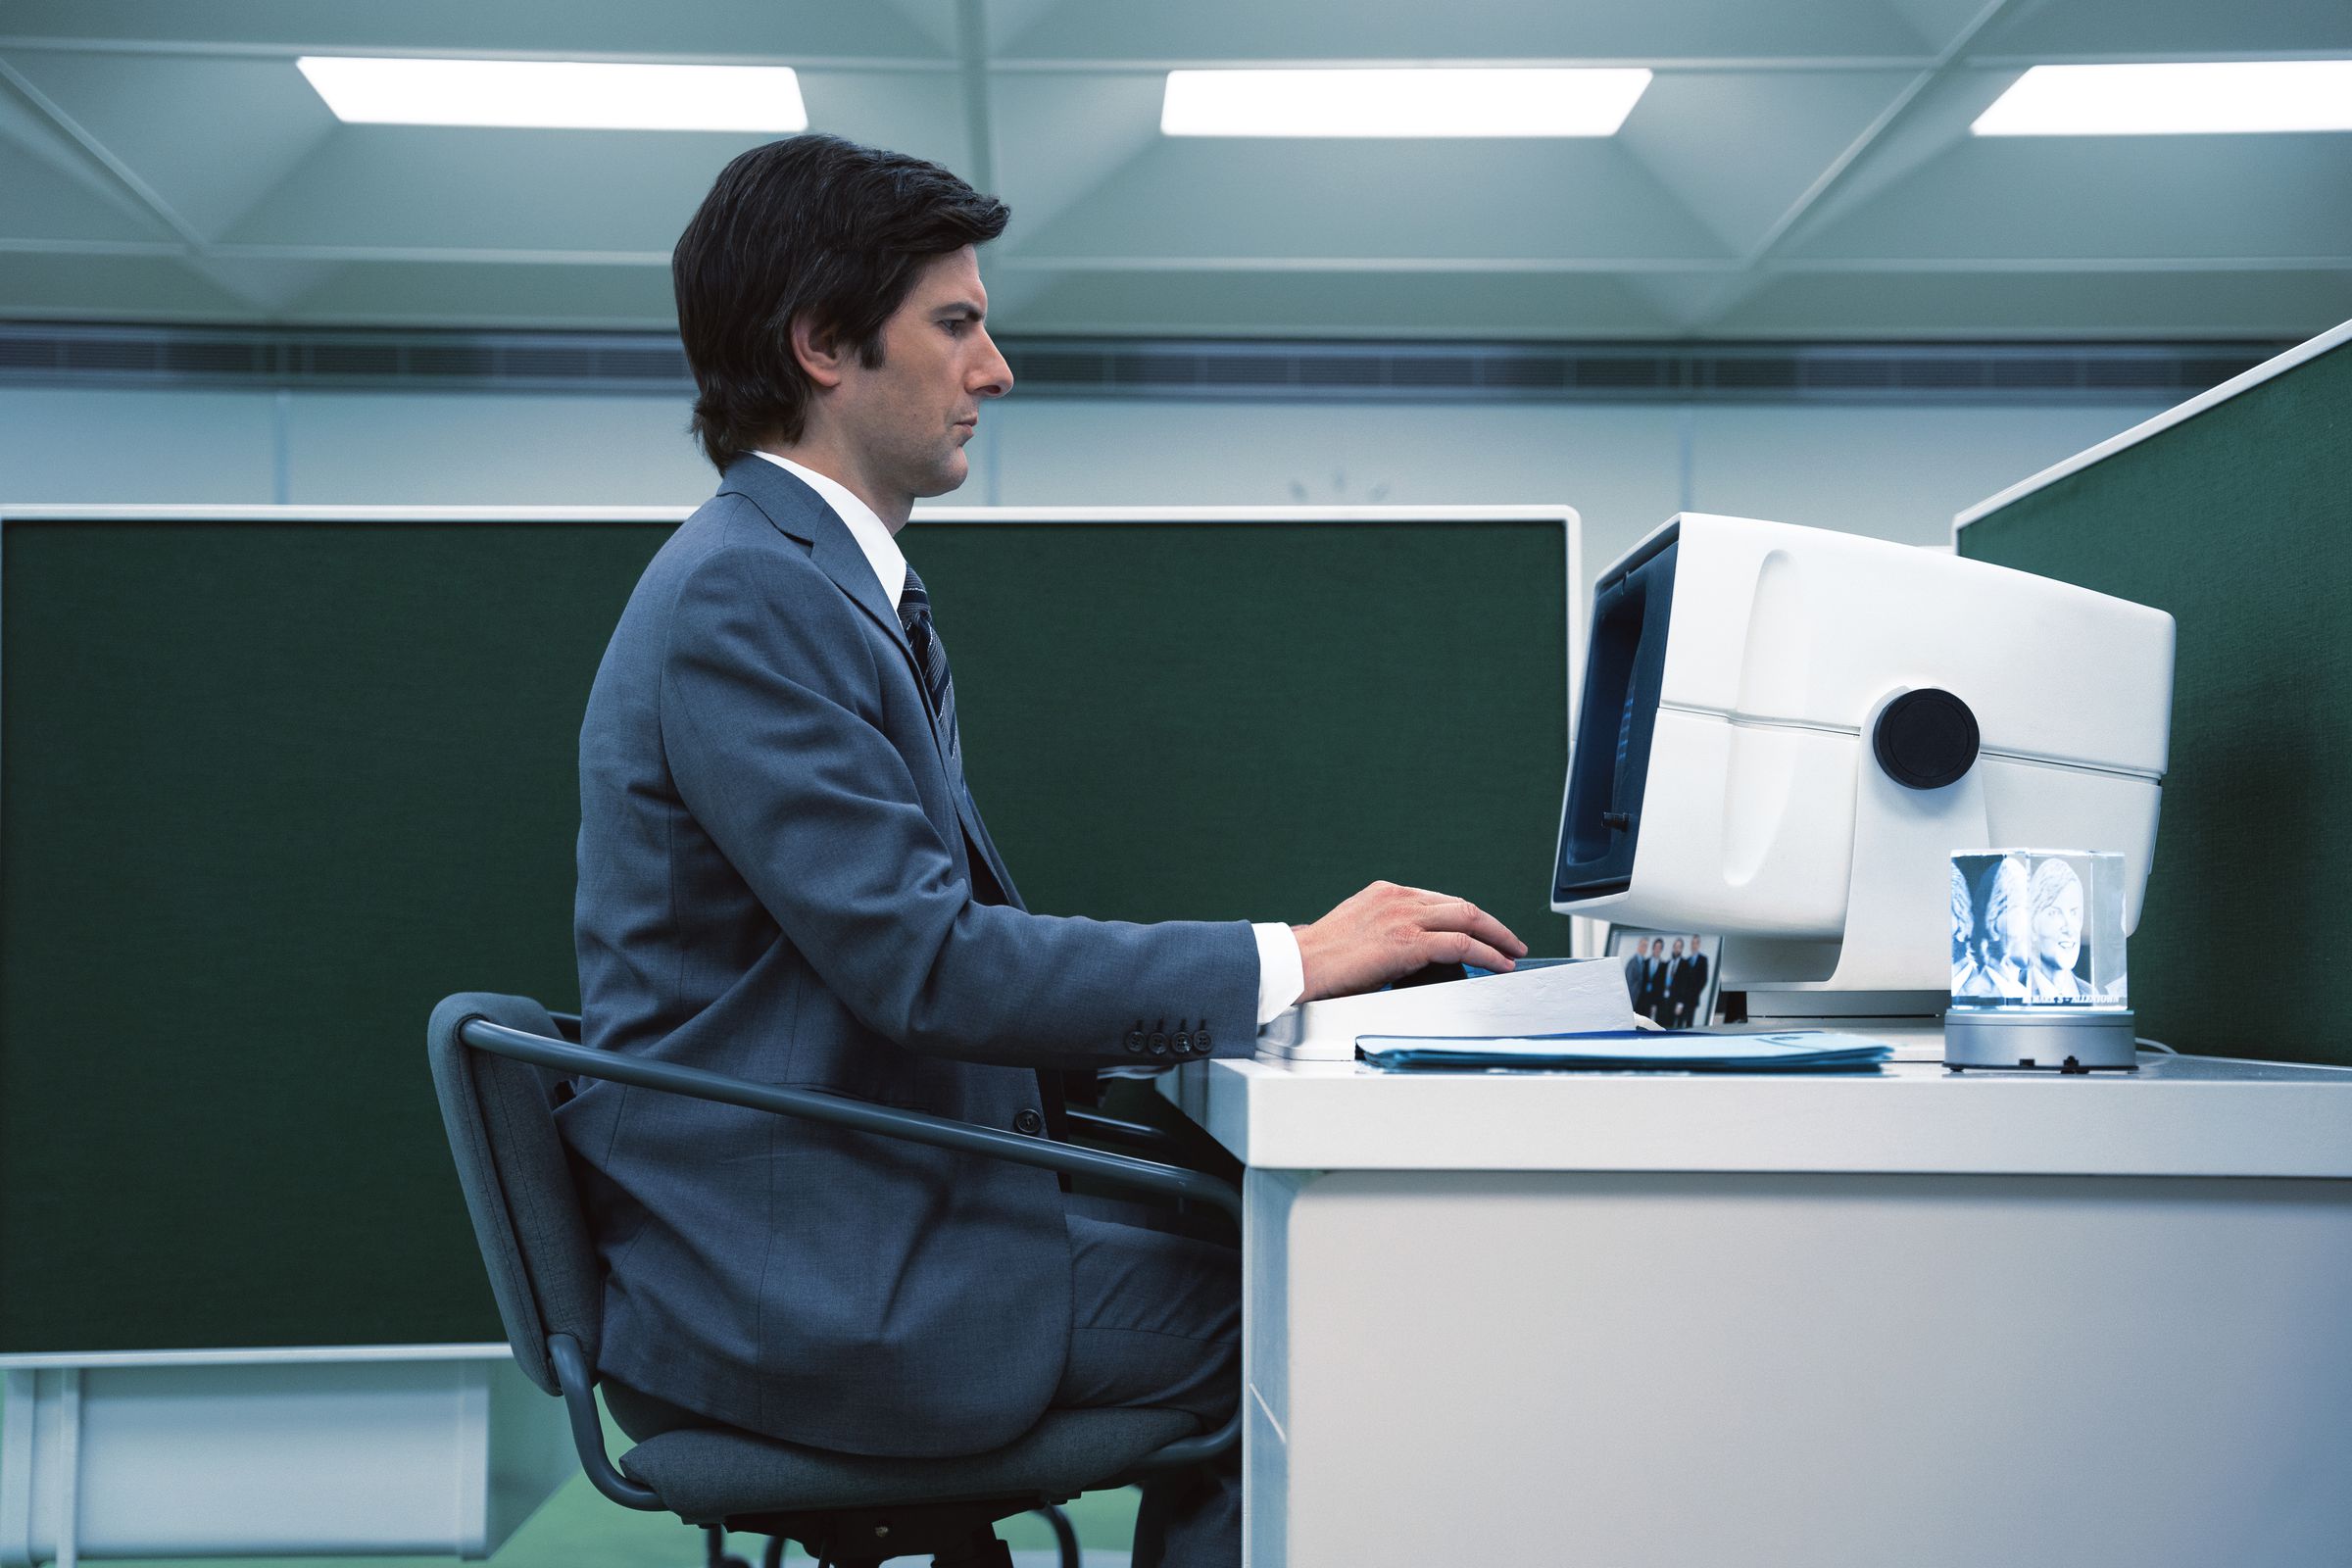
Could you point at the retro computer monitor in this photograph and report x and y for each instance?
(1786, 732)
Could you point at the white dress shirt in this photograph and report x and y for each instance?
(1281, 971)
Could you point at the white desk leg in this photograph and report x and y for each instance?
(16, 1395)
(41, 1466)
(15, 1469)
(68, 1467)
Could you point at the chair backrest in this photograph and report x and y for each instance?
(517, 1182)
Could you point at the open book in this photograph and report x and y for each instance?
(1541, 996)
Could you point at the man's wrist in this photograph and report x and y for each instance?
(1281, 970)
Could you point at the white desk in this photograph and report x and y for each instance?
(1838, 1322)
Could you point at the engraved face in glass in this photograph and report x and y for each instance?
(2057, 898)
(1964, 926)
(2008, 923)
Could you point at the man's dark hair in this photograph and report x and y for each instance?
(813, 227)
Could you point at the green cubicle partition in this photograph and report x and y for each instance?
(2234, 514)
(273, 783)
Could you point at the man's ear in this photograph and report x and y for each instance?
(818, 351)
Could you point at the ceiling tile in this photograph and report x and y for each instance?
(2141, 29)
(267, 288)
(1450, 199)
(1011, 19)
(2148, 197)
(487, 294)
(1688, 301)
(934, 20)
(44, 203)
(919, 113)
(1739, 148)
(431, 187)
(96, 289)
(1467, 30)
(1061, 134)
(1940, 23)
(210, 136)
(2281, 305)
(1929, 126)
(1500, 306)
(778, 29)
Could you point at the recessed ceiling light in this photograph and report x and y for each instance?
(565, 94)
(2173, 100)
(1418, 101)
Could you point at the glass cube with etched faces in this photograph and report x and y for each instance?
(2037, 928)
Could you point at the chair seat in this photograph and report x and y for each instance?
(710, 1473)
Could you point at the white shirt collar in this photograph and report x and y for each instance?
(882, 552)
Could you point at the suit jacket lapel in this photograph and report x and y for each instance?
(800, 511)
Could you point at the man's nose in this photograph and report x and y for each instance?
(994, 377)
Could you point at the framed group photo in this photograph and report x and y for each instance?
(1672, 976)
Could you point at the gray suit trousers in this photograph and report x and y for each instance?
(1155, 1320)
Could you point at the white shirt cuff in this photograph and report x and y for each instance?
(1281, 971)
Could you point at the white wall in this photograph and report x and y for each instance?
(1894, 473)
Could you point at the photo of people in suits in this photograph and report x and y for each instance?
(1671, 978)
(2020, 933)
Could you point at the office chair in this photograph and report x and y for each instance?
(500, 1068)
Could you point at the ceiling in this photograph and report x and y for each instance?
(1799, 170)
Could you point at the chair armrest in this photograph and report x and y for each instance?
(817, 1104)
(1119, 1130)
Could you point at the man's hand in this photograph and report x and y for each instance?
(1387, 931)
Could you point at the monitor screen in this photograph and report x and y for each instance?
(1609, 762)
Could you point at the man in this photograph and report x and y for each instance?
(784, 876)
(1689, 984)
(1651, 998)
(1668, 967)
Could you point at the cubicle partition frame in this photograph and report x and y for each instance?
(2179, 413)
(412, 1448)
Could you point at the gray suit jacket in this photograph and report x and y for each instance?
(777, 875)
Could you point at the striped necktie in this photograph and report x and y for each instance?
(914, 613)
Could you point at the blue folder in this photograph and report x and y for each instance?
(1628, 1050)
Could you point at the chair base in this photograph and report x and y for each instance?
(953, 1534)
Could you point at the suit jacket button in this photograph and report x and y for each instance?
(1135, 1040)
(1184, 1043)
(1159, 1043)
(1029, 1122)
(1201, 1042)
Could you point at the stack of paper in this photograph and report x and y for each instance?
(1540, 998)
(1626, 1050)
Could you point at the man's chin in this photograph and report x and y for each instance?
(950, 475)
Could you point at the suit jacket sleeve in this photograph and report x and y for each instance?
(771, 722)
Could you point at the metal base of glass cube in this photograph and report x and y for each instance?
(2039, 1039)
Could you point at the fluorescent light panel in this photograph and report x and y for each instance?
(2173, 100)
(564, 94)
(1424, 101)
